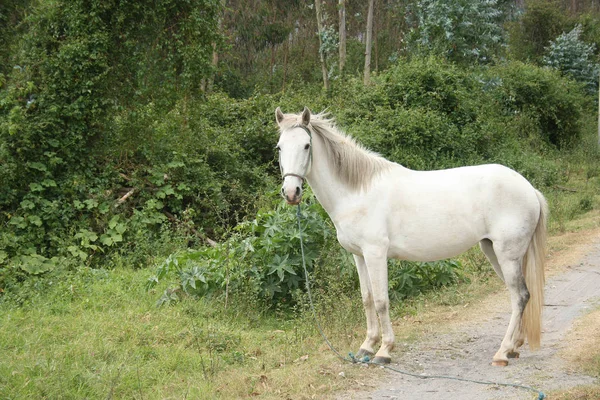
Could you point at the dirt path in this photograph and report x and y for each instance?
(466, 352)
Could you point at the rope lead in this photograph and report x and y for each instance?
(366, 360)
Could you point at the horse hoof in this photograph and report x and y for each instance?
(381, 360)
(513, 354)
(500, 363)
(362, 353)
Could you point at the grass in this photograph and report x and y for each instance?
(578, 393)
(98, 334)
(583, 356)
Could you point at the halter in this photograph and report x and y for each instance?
(303, 176)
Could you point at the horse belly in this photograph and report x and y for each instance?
(437, 240)
(431, 251)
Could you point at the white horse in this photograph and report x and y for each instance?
(381, 209)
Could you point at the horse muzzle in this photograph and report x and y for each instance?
(292, 194)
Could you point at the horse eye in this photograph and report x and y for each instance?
(307, 146)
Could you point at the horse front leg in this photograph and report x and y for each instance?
(376, 262)
(368, 346)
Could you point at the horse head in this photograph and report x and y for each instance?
(295, 153)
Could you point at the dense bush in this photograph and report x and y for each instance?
(430, 114)
(262, 257)
(77, 64)
(549, 106)
(541, 23)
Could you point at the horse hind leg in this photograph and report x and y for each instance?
(487, 247)
(519, 296)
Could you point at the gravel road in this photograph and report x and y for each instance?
(467, 351)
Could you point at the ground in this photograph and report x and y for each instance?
(461, 343)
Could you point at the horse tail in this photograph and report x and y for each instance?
(534, 263)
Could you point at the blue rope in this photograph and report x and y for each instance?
(366, 360)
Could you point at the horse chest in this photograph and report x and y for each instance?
(357, 230)
(349, 242)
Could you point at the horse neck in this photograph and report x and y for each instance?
(327, 187)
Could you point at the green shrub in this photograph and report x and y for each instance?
(574, 58)
(262, 258)
(461, 30)
(553, 104)
(530, 34)
(75, 69)
(427, 113)
(410, 279)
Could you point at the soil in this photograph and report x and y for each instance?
(465, 350)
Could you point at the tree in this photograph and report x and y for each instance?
(367, 72)
(461, 30)
(322, 55)
(342, 34)
(542, 22)
(80, 68)
(572, 56)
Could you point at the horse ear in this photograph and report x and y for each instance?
(306, 116)
(278, 115)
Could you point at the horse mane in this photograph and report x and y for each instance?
(352, 163)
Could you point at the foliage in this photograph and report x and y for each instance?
(263, 257)
(428, 114)
(460, 30)
(575, 58)
(590, 24)
(409, 279)
(110, 150)
(83, 113)
(530, 34)
(540, 101)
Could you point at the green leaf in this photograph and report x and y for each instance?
(36, 187)
(113, 222)
(121, 228)
(27, 204)
(106, 240)
(38, 166)
(48, 183)
(36, 264)
(35, 220)
(151, 282)
(91, 203)
(19, 222)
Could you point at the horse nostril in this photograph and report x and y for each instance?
(283, 191)
(297, 191)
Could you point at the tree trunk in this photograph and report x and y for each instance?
(286, 47)
(367, 76)
(342, 34)
(321, 50)
(207, 84)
